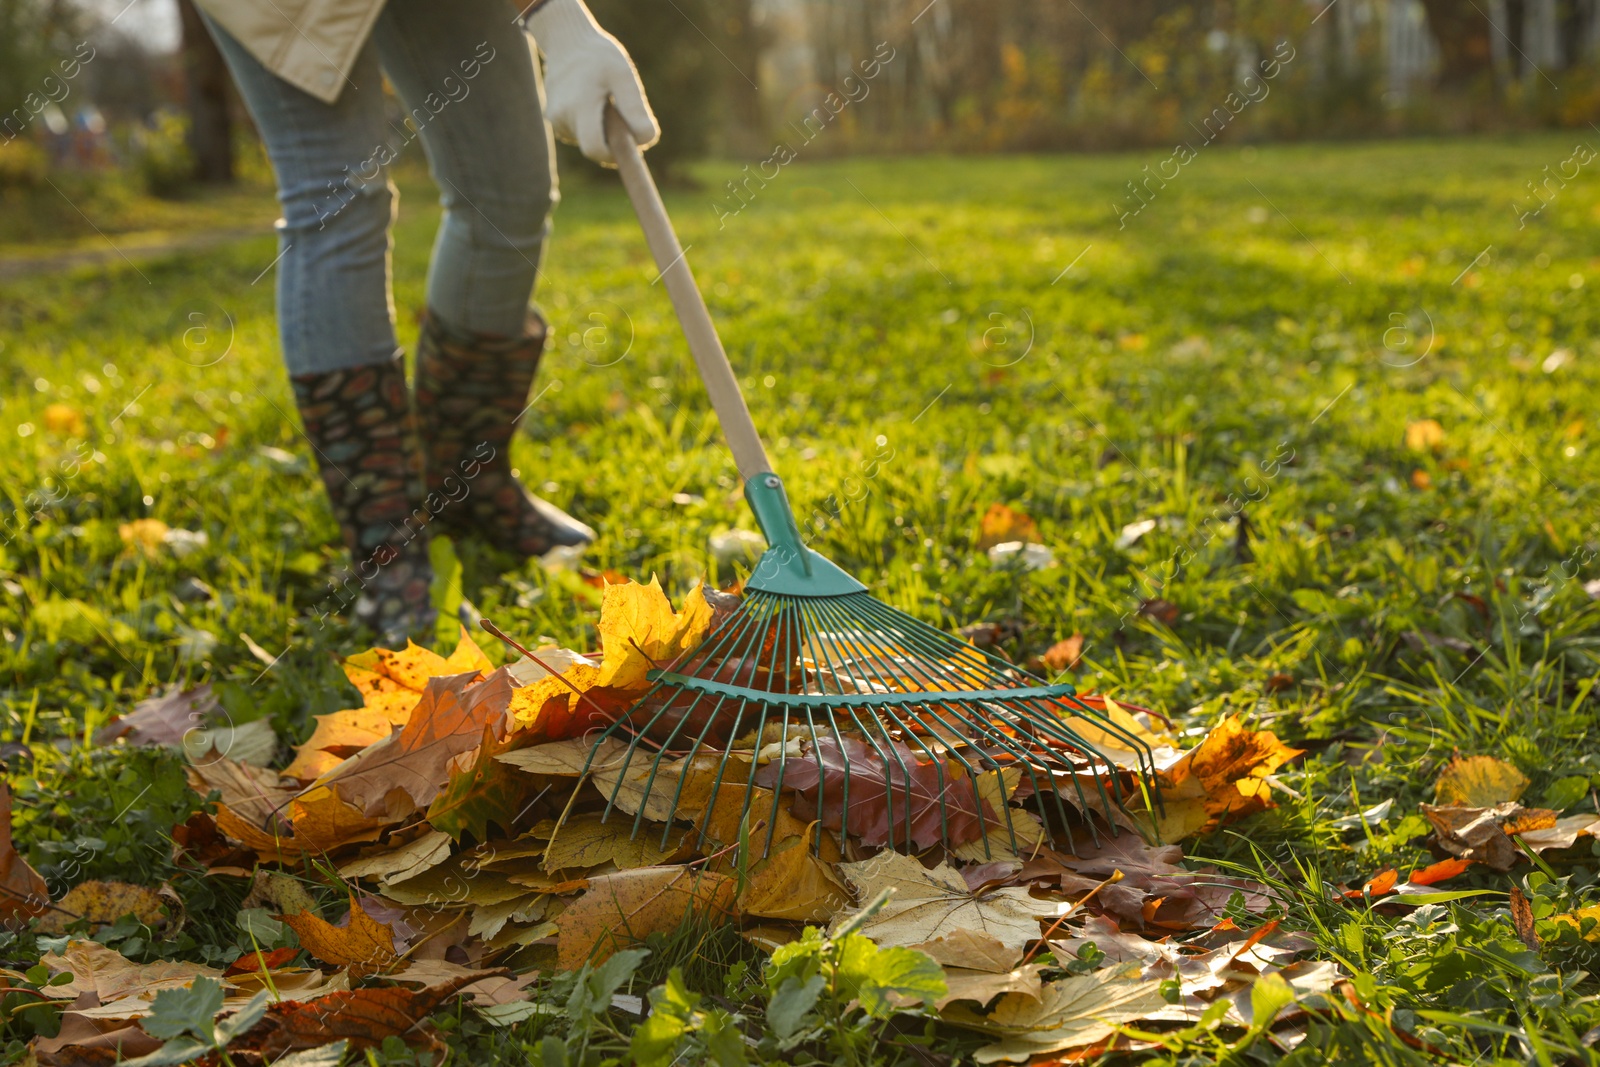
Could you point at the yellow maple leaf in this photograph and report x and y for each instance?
(65, 420)
(1224, 778)
(390, 683)
(148, 535)
(640, 631)
(529, 700)
(1479, 782)
(1424, 435)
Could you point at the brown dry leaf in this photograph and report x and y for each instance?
(664, 800)
(1424, 435)
(1001, 524)
(1474, 833)
(969, 950)
(364, 945)
(487, 985)
(23, 892)
(895, 795)
(1478, 782)
(278, 846)
(407, 860)
(104, 902)
(639, 631)
(623, 909)
(489, 919)
(364, 1017)
(456, 882)
(787, 881)
(162, 719)
(1064, 654)
(406, 772)
(984, 986)
(83, 1041)
(586, 841)
(111, 976)
(565, 758)
(1522, 918)
(1072, 1012)
(255, 794)
(930, 904)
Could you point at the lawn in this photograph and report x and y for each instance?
(1217, 412)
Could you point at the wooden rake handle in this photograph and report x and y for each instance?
(698, 330)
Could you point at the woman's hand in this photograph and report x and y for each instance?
(584, 67)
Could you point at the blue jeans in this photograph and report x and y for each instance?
(465, 77)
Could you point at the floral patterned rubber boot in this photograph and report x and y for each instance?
(471, 390)
(361, 426)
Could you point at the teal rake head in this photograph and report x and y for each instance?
(809, 655)
(895, 729)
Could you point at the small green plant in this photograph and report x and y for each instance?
(589, 994)
(827, 999)
(184, 1019)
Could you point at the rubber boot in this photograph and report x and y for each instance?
(471, 390)
(361, 426)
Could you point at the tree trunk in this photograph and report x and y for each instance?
(1462, 30)
(210, 125)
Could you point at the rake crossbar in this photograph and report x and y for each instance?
(811, 669)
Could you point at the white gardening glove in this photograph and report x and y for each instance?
(584, 66)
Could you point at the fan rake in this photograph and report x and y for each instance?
(810, 662)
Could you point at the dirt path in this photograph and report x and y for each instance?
(124, 248)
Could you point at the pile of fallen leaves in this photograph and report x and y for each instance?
(480, 836)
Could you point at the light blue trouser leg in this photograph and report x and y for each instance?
(465, 77)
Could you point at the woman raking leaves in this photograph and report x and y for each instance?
(400, 463)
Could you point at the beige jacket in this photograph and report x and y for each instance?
(311, 44)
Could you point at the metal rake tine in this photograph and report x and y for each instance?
(688, 759)
(888, 790)
(939, 770)
(687, 762)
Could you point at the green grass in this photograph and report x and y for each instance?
(1263, 331)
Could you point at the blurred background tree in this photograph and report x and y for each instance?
(733, 78)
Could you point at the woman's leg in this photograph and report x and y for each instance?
(336, 324)
(466, 76)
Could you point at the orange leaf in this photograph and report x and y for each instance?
(364, 1017)
(1438, 872)
(1376, 886)
(341, 735)
(256, 962)
(323, 822)
(639, 631)
(1064, 654)
(23, 892)
(365, 945)
(1001, 524)
(1230, 766)
(406, 773)
(624, 908)
(392, 682)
